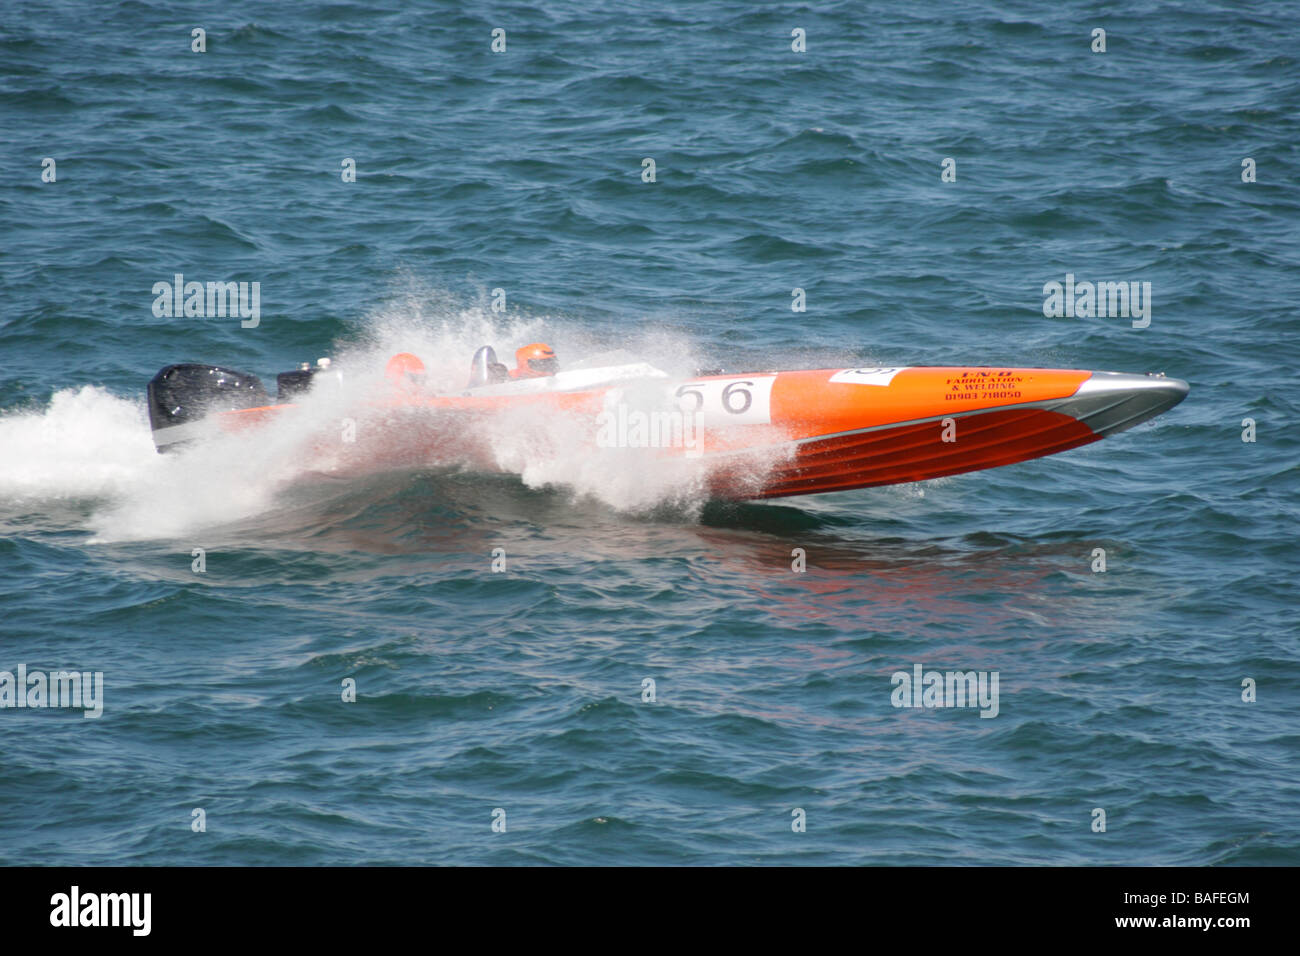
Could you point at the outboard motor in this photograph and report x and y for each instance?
(180, 395)
(484, 369)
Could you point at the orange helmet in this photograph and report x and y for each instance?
(402, 367)
(535, 360)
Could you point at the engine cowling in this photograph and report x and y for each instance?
(181, 395)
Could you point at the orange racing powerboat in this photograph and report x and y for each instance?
(763, 434)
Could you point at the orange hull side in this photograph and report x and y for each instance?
(808, 404)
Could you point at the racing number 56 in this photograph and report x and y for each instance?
(732, 396)
(741, 401)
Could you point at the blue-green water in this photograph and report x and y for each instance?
(522, 690)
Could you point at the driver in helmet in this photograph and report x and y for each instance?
(535, 361)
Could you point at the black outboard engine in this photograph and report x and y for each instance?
(182, 394)
(484, 369)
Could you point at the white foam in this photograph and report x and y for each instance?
(95, 447)
(86, 443)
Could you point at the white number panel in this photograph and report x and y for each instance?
(740, 400)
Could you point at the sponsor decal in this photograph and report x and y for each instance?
(984, 384)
